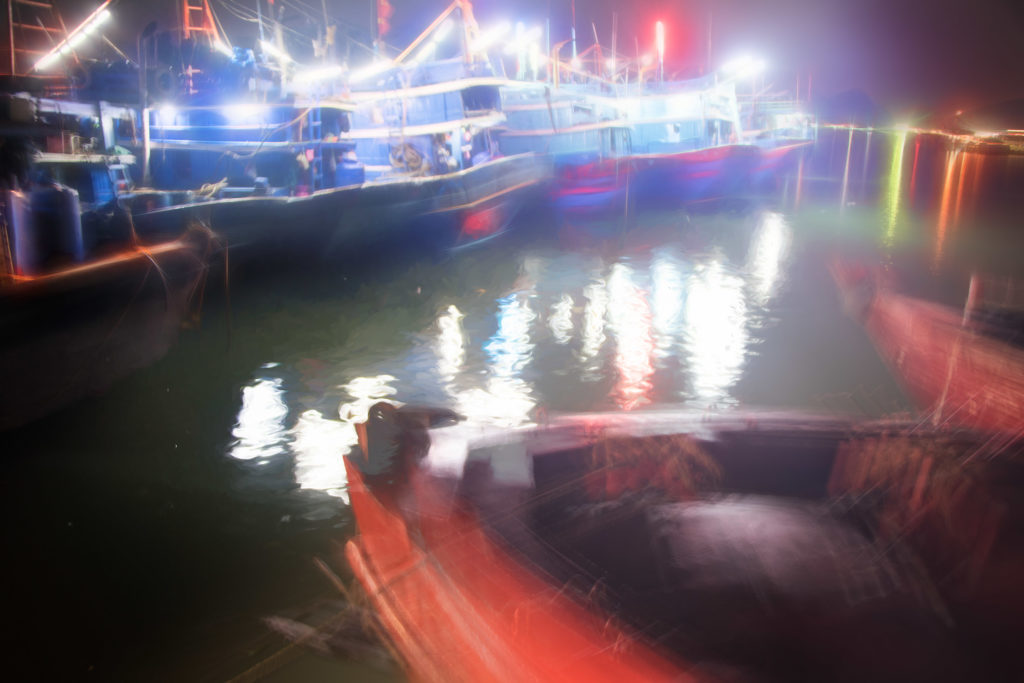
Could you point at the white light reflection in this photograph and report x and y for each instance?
(716, 333)
(318, 445)
(365, 391)
(768, 249)
(594, 312)
(669, 292)
(560, 320)
(507, 399)
(629, 317)
(259, 431)
(451, 346)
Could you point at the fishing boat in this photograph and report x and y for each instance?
(957, 367)
(586, 142)
(75, 321)
(659, 144)
(677, 545)
(84, 300)
(396, 153)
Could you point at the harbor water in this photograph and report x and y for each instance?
(152, 529)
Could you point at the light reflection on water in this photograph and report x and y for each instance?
(629, 319)
(715, 332)
(768, 250)
(560, 319)
(668, 281)
(596, 296)
(260, 431)
(671, 323)
(317, 444)
(507, 398)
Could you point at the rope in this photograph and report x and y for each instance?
(406, 156)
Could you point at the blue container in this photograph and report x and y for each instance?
(349, 173)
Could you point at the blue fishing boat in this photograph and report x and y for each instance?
(83, 302)
(396, 153)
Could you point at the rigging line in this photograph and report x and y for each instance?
(238, 13)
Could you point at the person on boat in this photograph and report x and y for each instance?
(443, 161)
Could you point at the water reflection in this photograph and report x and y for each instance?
(318, 445)
(450, 346)
(629, 317)
(667, 297)
(716, 332)
(260, 431)
(952, 159)
(507, 398)
(596, 295)
(894, 186)
(560, 319)
(768, 249)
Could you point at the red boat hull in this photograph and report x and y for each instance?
(459, 608)
(952, 371)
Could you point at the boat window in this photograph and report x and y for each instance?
(102, 186)
(481, 98)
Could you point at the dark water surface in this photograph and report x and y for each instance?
(150, 529)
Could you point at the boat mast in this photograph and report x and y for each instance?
(10, 30)
(375, 27)
(259, 18)
(572, 33)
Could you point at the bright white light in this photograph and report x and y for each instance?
(425, 52)
(576, 63)
(451, 345)
(317, 446)
(223, 49)
(76, 38)
(536, 58)
(370, 70)
(610, 63)
(46, 61)
(442, 31)
(259, 431)
(659, 38)
(629, 319)
(716, 331)
(321, 74)
(560, 319)
(594, 311)
(743, 66)
(485, 39)
(667, 297)
(166, 115)
(238, 114)
(271, 49)
(768, 249)
(523, 38)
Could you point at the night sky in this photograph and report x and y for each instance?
(914, 58)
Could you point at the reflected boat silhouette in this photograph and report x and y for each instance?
(677, 545)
